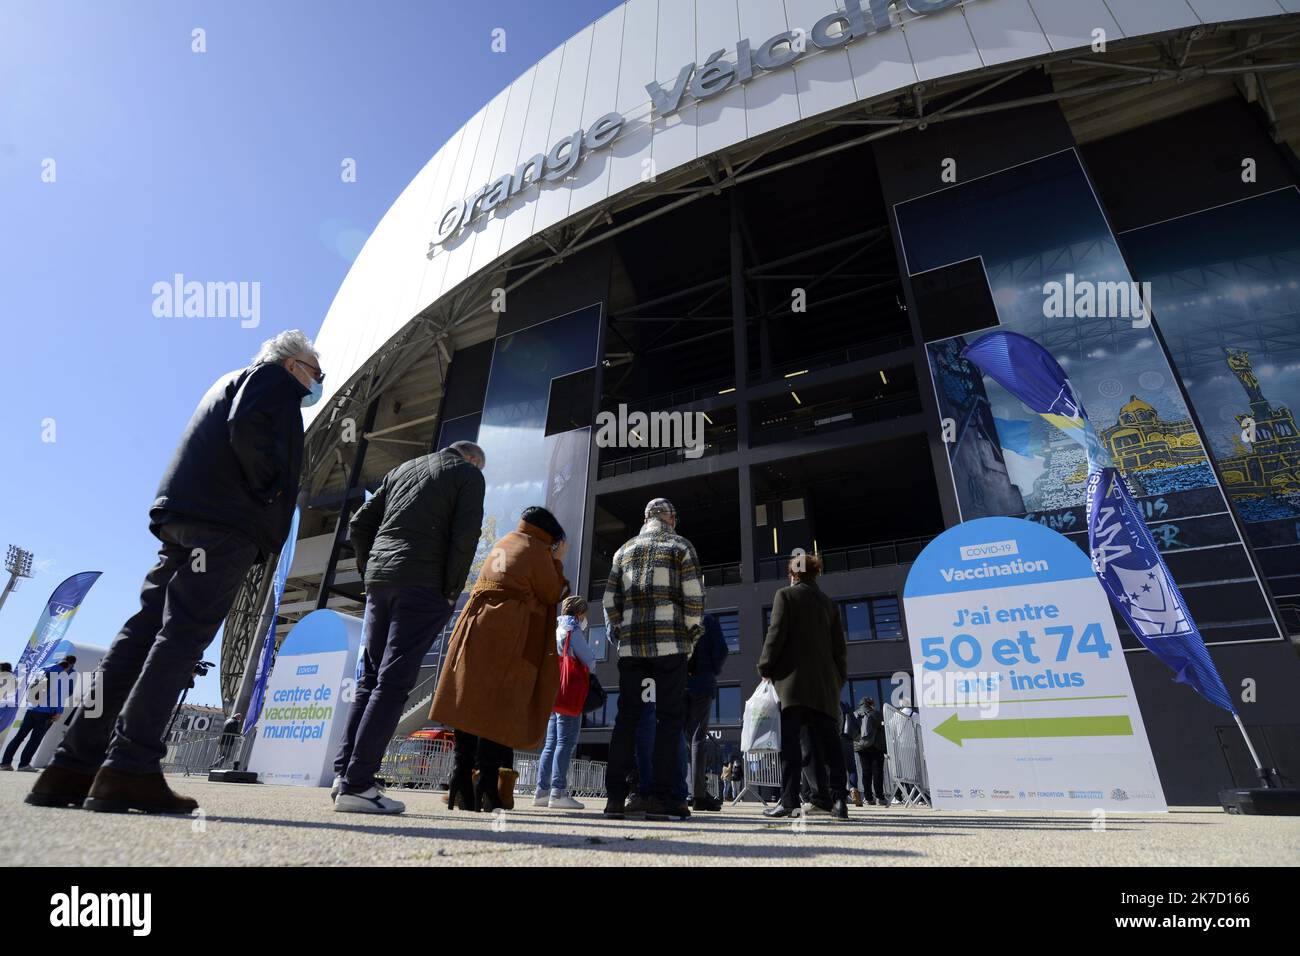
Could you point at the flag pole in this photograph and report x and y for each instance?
(1265, 774)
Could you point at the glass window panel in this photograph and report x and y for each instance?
(860, 687)
(857, 620)
(730, 707)
(528, 467)
(730, 621)
(887, 621)
(598, 638)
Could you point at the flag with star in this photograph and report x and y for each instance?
(1130, 568)
(1124, 555)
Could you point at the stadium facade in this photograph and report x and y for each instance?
(786, 219)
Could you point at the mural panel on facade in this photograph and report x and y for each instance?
(1056, 273)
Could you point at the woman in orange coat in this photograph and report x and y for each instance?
(501, 672)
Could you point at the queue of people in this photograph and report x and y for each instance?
(229, 493)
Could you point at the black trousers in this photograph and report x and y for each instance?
(699, 708)
(479, 753)
(873, 774)
(824, 743)
(185, 598)
(637, 676)
(35, 724)
(401, 623)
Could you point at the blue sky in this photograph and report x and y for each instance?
(222, 166)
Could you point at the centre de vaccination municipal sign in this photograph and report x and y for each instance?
(699, 81)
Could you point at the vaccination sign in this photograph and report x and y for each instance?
(1024, 693)
(305, 710)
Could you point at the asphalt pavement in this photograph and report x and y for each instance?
(258, 825)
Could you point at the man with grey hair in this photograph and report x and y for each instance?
(414, 540)
(226, 498)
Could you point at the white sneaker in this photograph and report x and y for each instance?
(542, 800)
(338, 785)
(566, 802)
(372, 801)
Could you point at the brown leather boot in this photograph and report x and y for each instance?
(506, 778)
(60, 787)
(117, 792)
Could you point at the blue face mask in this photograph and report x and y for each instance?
(313, 396)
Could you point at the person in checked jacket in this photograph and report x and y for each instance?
(654, 610)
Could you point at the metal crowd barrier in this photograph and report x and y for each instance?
(587, 778)
(198, 752)
(762, 769)
(418, 764)
(905, 774)
(426, 764)
(526, 767)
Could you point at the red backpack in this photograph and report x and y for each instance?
(574, 678)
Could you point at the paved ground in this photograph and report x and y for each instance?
(290, 826)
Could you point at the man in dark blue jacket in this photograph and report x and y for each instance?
(226, 499)
(701, 687)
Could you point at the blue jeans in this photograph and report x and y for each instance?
(400, 624)
(645, 748)
(553, 764)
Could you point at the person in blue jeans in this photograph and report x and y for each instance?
(562, 730)
(645, 749)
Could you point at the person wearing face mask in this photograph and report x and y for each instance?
(225, 500)
(562, 729)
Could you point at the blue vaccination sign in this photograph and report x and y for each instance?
(1023, 690)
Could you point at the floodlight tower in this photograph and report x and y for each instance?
(18, 562)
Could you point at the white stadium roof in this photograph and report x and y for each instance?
(605, 68)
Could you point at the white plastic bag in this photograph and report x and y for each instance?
(761, 729)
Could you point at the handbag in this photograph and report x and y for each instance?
(574, 682)
(596, 697)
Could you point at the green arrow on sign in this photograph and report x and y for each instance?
(958, 730)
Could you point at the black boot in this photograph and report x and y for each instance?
(486, 789)
(460, 790)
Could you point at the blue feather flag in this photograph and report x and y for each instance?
(1124, 555)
